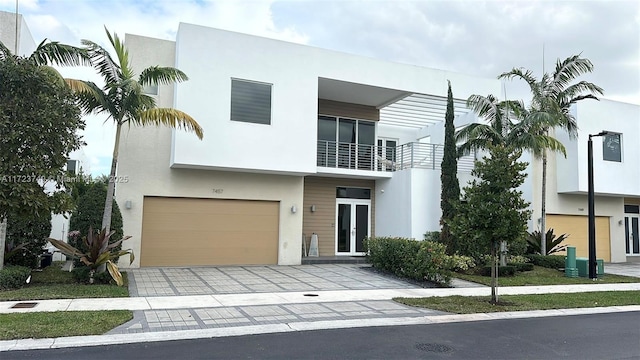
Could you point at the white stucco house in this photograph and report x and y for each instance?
(301, 141)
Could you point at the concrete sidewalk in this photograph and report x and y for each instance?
(162, 318)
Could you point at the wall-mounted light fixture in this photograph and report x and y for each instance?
(620, 222)
(313, 208)
(294, 209)
(127, 204)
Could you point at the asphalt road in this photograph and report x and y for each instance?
(601, 336)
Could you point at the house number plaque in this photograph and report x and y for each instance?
(218, 191)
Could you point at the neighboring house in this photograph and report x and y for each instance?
(616, 168)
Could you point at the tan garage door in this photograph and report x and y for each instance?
(578, 229)
(186, 231)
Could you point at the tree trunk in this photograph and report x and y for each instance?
(543, 213)
(108, 203)
(494, 282)
(3, 239)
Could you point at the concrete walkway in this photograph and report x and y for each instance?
(183, 316)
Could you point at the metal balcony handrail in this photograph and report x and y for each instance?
(414, 155)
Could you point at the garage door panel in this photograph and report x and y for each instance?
(577, 227)
(183, 232)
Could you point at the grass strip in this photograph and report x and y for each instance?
(60, 323)
(544, 276)
(63, 291)
(480, 304)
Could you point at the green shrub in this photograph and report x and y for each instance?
(82, 276)
(88, 213)
(507, 270)
(417, 260)
(432, 236)
(521, 267)
(14, 277)
(552, 243)
(31, 233)
(518, 259)
(462, 263)
(548, 261)
(517, 246)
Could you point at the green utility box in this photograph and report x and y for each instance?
(583, 267)
(570, 269)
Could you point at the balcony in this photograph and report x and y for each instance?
(383, 159)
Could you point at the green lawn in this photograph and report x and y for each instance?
(471, 305)
(53, 283)
(545, 276)
(60, 323)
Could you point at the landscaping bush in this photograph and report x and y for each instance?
(548, 261)
(553, 242)
(14, 277)
(502, 270)
(88, 213)
(521, 267)
(432, 236)
(417, 260)
(82, 275)
(517, 246)
(29, 232)
(461, 263)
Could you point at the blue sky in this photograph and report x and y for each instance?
(482, 38)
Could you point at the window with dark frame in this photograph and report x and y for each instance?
(611, 147)
(250, 102)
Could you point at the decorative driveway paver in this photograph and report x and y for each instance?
(256, 279)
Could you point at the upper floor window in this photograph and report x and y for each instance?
(250, 102)
(611, 147)
(150, 89)
(72, 167)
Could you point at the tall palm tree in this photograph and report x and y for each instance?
(46, 54)
(122, 98)
(554, 94)
(508, 123)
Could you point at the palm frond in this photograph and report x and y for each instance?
(122, 54)
(567, 71)
(91, 98)
(161, 75)
(168, 117)
(5, 53)
(526, 75)
(53, 52)
(102, 61)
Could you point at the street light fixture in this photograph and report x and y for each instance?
(591, 199)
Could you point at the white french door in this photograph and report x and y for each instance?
(353, 225)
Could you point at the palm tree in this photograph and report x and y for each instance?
(46, 54)
(554, 94)
(122, 98)
(508, 123)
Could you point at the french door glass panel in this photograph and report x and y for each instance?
(631, 235)
(362, 226)
(353, 219)
(326, 141)
(346, 145)
(344, 228)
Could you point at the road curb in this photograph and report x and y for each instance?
(98, 340)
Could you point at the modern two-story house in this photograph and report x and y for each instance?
(301, 141)
(298, 141)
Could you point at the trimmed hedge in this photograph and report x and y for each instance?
(548, 261)
(520, 267)
(14, 277)
(417, 260)
(502, 270)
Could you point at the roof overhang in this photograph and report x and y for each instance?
(354, 93)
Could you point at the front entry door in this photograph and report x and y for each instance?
(632, 235)
(353, 225)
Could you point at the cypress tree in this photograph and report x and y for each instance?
(450, 193)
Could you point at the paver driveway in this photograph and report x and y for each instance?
(256, 279)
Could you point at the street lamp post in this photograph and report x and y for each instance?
(591, 199)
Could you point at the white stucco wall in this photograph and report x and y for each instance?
(213, 57)
(144, 162)
(26, 45)
(613, 178)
